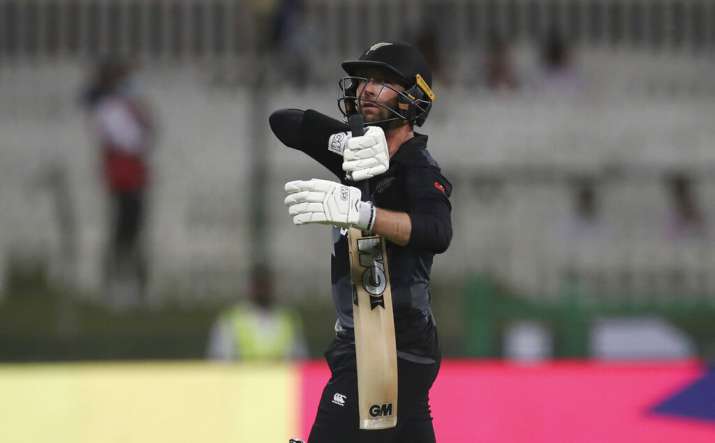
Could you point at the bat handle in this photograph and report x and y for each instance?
(357, 128)
(356, 123)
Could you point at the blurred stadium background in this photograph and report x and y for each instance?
(583, 215)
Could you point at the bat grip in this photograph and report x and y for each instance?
(357, 129)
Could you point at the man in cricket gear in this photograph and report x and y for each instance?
(408, 205)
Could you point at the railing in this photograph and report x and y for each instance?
(510, 161)
(523, 231)
(179, 30)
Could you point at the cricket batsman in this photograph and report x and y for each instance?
(390, 85)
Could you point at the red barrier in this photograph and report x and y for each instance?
(573, 402)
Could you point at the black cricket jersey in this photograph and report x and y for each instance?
(413, 184)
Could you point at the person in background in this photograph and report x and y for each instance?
(559, 74)
(586, 209)
(262, 15)
(499, 74)
(258, 329)
(294, 41)
(686, 219)
(124, 130)
(427, 41)
(583, 239)
(686, 237)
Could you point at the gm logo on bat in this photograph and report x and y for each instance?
(384, 410)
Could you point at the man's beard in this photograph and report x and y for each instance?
(384, 114)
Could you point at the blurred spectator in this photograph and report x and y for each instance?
(686, 219)
(558, 71)
(124, 130)
(262, 13)
(258, 329)
(427, 41)
(585, 220)
(582, 240)
(293, 40)
(498, 64)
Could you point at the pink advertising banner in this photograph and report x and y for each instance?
(584, 402)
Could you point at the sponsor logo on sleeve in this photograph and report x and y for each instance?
(339, 399)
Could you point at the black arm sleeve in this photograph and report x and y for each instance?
(285, 124)
(430, 210)
(308, 131)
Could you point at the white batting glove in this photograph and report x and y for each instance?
(328, 203)
(366, 156)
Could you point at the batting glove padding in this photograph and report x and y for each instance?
(366, 156)
(328, 203)
(363, 157)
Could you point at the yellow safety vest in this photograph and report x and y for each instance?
(253, 341)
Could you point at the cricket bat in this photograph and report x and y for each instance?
(374, 322)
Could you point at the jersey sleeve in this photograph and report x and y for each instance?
(315, 135)
(309, 131)
(429, 209)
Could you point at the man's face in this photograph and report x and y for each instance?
(381, 89)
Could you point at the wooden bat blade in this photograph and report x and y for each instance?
(374, 322)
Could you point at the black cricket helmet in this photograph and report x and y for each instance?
(400, 61)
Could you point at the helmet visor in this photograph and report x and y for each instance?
(408, 107)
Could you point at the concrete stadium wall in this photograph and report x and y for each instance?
(199, 220)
